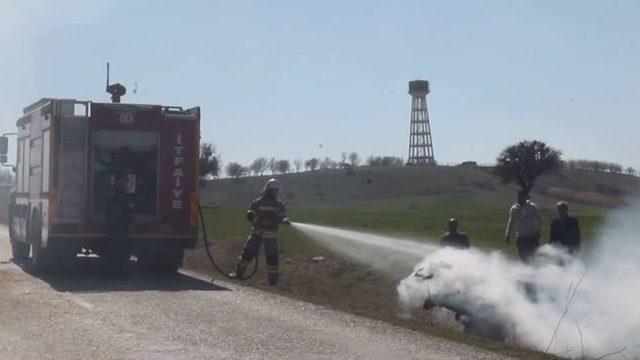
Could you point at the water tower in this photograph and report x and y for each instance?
(420, 144)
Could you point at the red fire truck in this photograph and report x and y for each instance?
(76, 159)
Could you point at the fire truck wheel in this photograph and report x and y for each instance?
(40, 259)
(20, 250)
(163, 259)
(115, 257)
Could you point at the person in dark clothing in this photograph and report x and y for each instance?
(565, 230)
(454, 238)
(116, 250)
(265, 214)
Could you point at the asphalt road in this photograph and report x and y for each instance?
(83, 314)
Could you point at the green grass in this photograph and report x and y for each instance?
(422, 218)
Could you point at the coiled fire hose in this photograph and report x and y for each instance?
(210, 256)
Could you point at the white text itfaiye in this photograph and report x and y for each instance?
(177, 202)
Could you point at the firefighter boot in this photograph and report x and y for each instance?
(240, 269)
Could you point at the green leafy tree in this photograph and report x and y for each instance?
(209, 161)
(523, 162)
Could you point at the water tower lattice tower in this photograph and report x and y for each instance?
(420, 144)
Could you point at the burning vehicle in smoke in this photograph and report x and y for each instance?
(478, 318)
(483, 296)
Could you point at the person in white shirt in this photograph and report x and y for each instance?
(525, 219)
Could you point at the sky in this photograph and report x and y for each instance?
(300, 79)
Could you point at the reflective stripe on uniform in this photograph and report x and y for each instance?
(272, 269)
(267, 208)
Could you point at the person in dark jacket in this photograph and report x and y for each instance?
(454, 238)
(565, 230)
(265, 214)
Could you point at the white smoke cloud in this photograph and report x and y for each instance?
(590, 307)
(546, 306)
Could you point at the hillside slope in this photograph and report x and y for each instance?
(323, 187)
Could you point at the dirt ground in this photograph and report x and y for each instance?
(345, 286)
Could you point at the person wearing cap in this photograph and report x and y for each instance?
(454, 238)
(525, 219)
(565, 230)
(265, 215)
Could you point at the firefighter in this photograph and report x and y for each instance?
(118, 212)
(119, 218)
(265, 214)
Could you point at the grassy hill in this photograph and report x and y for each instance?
(324, 187)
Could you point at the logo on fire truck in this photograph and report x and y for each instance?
(126, 118)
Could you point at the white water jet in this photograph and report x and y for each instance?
(382, 252)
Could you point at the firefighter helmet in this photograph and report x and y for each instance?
(272, 184)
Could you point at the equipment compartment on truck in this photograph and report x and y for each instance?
(79, 164)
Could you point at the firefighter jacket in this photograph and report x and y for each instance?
(266, 213)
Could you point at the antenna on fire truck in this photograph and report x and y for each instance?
(116, 90)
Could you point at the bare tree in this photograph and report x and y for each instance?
(631, 171)
(283, 166)
(259, 166)
(327, 163)
(390, 161)
(272, 165)
(235, 170)
(343, 157)
(615, 168)
(354, 159)
(593, 165)
(312, 164)
(297, 163)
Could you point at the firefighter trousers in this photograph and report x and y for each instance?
(250, 251)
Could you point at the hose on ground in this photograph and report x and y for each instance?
(210, 256)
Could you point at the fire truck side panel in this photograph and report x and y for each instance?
(33, 169)
(70, 167)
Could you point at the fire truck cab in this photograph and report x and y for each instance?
(94, 177)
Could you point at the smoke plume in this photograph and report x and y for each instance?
(559, 305)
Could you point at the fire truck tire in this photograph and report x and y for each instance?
(115, 257)
(40, 257)
(166, 259)
(20, 250)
